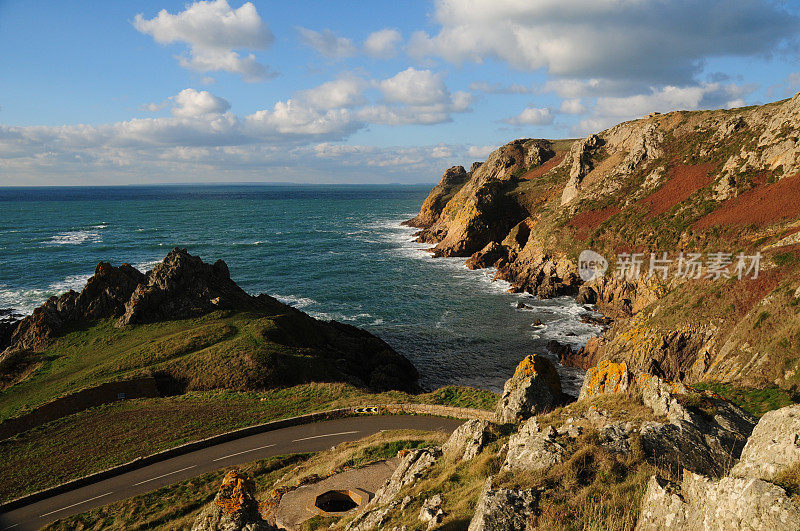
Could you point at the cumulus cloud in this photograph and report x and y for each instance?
(383, 44)
(532, 116)
(190, 103)
(346, 92)
(327, 43)
(213, 31)
(651, 40)
(611, 110)
(414, 87)
(500, 88)
(572, 106)
(480, 152)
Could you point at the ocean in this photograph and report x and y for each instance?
(335, 252)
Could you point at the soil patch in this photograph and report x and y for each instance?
(684, 180)
(538, 171)
(585, 222)
(760, 206)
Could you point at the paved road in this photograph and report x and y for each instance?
(305, 438)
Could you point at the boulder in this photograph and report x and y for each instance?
(773, 446)
(606, 377)
(730, 503)
(411, 468)
(532, 448)
(431, 511)
(534, 388)
(468, 440)
(234, 508)
(504, 509)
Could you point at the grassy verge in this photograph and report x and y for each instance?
(755, 401)
(176, 506)
(113, 434)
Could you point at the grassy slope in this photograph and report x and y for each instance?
(116, 433)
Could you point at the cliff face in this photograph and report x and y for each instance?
(722, 181)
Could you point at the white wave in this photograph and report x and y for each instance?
(296, 301)
(75, 237)
(146, 266)
(25, 300)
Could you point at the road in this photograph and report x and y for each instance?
(296, 439)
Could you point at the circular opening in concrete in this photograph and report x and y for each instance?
(336, 501)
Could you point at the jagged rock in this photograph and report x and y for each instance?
(372, 518)
(452, 181)
(486, 257)
(729, 503)
(559, 349)
(773, 446)
(615, 437)
(431, 511)
(580, 155)
(607, 377)
(534, 388)
(410, 469)
(468, 440)
(586, 295)
(532, 448)
(234, 508)
(504, 509)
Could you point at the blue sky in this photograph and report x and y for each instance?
(341, 91)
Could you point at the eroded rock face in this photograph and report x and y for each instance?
(410, 469)
(534, 388)
(532, 448)
(468, 440)
(773, 446)
(452, 181)
(504, 509)
(730, 503)
(234, 508)
(580, 157)
(607, 377)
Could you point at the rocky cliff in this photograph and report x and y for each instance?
(716, 183)
(290, 347)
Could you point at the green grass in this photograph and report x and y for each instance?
(380, 452)
(755, 401)
(115, 433)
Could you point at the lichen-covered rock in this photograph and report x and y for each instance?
(534, 388)
(730, 503)
(431, 511)
(607, 377)
(468, 440)
(504, 509)
(580, 158)
(234, 508)
(773, 446)
(532, 448)
(372, 519)
(411, 468)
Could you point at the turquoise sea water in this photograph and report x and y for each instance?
(336, 252)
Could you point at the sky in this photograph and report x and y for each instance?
(337, 91)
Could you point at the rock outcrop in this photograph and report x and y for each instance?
(452, 181)
(730, 503)
(234, 508)
(534, 388)
(504, 509)
(773, 446)
(532, 448)
(468, 440)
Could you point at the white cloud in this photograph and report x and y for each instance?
(572, 106)
(213, 32)
(500, 88)
(327, 43)
(532, 116)
(609, 111)
(153, 107)
(480, 152)
(383, 44)
(651, 40)
(341, 93)
(414, 87)
(190, 103)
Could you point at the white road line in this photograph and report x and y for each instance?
(9, 527)
(74, 504)
(326, 435)
(244, 452)
(164, 475)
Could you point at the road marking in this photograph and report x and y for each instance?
(164, 475)
(326, 435)
(74, 504)
(9, 527)
(244, 452)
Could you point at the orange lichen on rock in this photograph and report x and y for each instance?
(535, 366)
(235, 492)
(607, 377)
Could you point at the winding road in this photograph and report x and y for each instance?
(296, 439)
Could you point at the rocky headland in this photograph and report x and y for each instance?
(290, 347)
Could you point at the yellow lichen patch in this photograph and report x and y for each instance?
(236, 488)
(526, 368)
(608, 377)
(535, 366)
